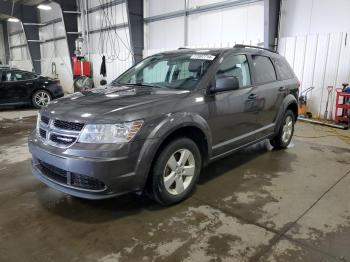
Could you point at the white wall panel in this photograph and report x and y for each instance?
(94, 3)
(114, 44)
(22, 64)
(319, 60)
(240, 23)
(157, 7)
(301, 17)
(54, 13)
(165, 33)
(109, 16)
(319, 55)
(218, 28)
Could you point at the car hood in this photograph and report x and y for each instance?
(108, 102)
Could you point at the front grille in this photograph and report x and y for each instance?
(42, 133)
(61, 139)
(68, 125)
(59, 133)
(45, 120)
(71, 179)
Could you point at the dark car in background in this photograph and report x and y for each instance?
(19, 87)
(155, 127)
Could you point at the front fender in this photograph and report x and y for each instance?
(288, 100)
(160, 132)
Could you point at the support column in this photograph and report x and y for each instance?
(6, 42)
(136, 29)
(30, 21)
(271, 18)
(70, 19)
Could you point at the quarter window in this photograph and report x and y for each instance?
(283, 69)
(236, 66)
(263, 68)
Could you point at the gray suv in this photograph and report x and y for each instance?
(156, 126)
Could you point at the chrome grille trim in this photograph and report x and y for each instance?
(52, 130)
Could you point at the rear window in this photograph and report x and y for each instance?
(264, 69)
(283, 69)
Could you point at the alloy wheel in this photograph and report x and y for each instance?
(42, 98)
(287, 129)
(179, 171)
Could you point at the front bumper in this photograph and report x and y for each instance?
(85, 170)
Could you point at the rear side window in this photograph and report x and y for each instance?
(264, 69)
(283, 69)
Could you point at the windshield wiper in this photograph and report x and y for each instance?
(145, 85)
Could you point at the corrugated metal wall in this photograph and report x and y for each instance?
(315, 39)
(216, 28)
(55, 51)
(113, 43)
(19, 56)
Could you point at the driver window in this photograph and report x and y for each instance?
(12, 76)
(236, 66)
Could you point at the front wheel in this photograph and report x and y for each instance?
(41, 98)
(285, 133)
(176, 171)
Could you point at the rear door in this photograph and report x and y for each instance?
(270, 93)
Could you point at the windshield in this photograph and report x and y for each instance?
(180, 71)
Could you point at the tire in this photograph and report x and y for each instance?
(285, 132)
(41, 98)
(168, 171)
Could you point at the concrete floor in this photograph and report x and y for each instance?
(256, 205)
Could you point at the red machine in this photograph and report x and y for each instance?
(81, 67)
(342, 104)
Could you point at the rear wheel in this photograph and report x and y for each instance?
(285, 133)
(176, 171)
(41, 98)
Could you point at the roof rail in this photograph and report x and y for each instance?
(181, 48)
(256, 47)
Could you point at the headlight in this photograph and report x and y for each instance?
(110, 133)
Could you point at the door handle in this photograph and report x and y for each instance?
(252, 96)
(29, 84)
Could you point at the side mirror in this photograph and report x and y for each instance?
(225, 83)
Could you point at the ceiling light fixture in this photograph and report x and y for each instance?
(44, 7)
(13, 20)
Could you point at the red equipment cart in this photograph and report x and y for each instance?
(342, 104)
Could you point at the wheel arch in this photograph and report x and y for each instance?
(176, 125)
(289, 103)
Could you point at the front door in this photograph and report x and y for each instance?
(233, 113)
(15, 87)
